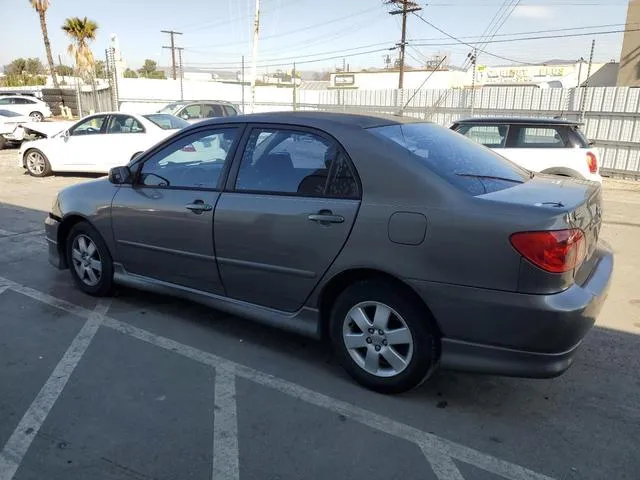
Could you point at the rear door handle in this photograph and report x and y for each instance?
(325, 216)
(198, 207)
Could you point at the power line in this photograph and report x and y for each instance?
(541, 37)
(462, 42)
(472, 37)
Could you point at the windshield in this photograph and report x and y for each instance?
(171, 108)
(9, 113)
(461, 162)
(166, 122)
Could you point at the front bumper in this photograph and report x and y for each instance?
(516, 334)
(56, 257)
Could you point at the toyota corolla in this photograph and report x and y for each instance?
(407, 245)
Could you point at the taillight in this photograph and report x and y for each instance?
(556, 251)
(592, 161)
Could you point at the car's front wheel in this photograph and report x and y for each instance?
(37, 163)
(383, 337)
(89, 260)
(36, 116)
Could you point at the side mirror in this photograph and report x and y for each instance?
(120, 175)
(65, 135)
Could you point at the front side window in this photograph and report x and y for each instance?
(286, 161)
(88, 126)
(191, 112)
(491, 136)
(194, 161)
(540, 136)
(124, 124)
(458, 160)
(5, 101)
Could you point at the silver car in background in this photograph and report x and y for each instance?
(194, 111)
(407, 245)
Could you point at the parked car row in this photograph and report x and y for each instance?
(406, 244)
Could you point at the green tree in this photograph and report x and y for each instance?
(128, 73)
(101, 69)
(64, 70)
(24, 72)
(41, 7)
(81, 31)
(35, 67)
(150, 70)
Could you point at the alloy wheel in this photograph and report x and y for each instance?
(86, 260)
(36, 163)
(36, 116)
(378, 339)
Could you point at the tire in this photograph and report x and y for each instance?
(3, 142)
(408, 335)
(36, 116)
(86, 250)
(37, 163)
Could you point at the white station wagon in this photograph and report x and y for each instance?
(544, 145)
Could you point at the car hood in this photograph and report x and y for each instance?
(48, 129)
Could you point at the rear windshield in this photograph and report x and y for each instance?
(167, 122)
(463, 163)
(9, 113)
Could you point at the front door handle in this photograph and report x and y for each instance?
(325, 217)
(198, 206)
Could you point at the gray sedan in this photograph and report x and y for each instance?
(405, 244)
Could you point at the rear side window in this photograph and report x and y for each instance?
(534, 136)
(230, 110)
(458, 160)
(491, 136)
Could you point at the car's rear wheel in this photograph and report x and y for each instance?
(36, 116)
(3, 142)
(37, 163)
(383, 337)
(89, 260)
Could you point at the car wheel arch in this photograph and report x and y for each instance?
(66, 224)
(339, 282)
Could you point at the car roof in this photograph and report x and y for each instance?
(317, 119)
(519, 121)
(187, 102)
(30, 97)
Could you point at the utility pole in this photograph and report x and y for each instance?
(408, 6)
(254, 55)
(172, 34)
(473, 57)
(242, 83)
(181, 72)
(293, 77)
(583, 100)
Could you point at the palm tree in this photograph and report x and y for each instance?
(81, 31)
(41, 7)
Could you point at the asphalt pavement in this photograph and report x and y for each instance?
(141, 386)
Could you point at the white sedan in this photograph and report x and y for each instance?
(97, 143)
(9, 123)
(26, 105)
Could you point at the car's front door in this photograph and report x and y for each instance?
(85, 146)
(290, 203)
(163, 223)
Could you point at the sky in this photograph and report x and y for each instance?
(319, 34)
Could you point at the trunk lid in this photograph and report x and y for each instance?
(577, 202)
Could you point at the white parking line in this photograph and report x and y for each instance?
(439, 448)
(226, 464)
(442, 465)
(20, 441)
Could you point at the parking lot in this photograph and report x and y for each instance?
(147, 387)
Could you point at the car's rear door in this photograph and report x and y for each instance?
(126, 136)
(290, 202)
(163, 223)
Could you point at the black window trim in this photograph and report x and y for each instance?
(235, 168)
(138, 163)
(144, 129)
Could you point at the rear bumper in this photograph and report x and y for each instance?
(56, 258)
(515, 334)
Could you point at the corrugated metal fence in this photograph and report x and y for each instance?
(611, 114)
